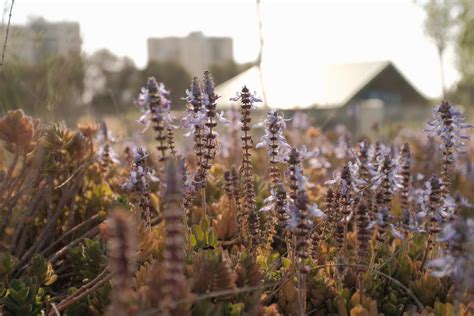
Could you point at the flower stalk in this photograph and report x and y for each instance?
(448, 125)
(137, 182)
(250, 217)
(122, 247)
(405, 165)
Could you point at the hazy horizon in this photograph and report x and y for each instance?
(310, 34)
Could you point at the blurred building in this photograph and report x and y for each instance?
(195, 52)
(39, 39)
(359, 95)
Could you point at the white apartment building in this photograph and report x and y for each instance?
(195, 52)
(39, 39)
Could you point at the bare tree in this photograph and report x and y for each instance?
(439, 24)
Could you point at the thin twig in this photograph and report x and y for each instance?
(69, 232)
(17, 180)
(85, 290)
(229, 242)
(6, 33)
(55, 309)
(19, 229)
(204, 202)
(62, 251)
(12, 199)
(328, 119)
(41, 239)
(85, 164)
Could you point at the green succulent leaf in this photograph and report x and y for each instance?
(42, 270)
(7, 263)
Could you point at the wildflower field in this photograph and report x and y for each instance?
(298, 221)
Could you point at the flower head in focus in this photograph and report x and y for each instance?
(140, 173)
(387, 171)
(251, 97)
(299, 156)
(344, 180)
(448, 124)
(195, 117)
(274, 139)
(155, 105)
(295, 214)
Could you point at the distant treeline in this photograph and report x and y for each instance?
(102, 83)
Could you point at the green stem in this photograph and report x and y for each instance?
(204, 204)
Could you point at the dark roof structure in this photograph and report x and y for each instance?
(330, 86)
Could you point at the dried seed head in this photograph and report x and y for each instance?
(228, 184)
(405, 163)
(293, 161)
(122, 247)
(382, 216)
(172, 284)
(210, 97)
(235, 179)
(331, 212)
(316, 243)
(282, 206)
(435, 203)
(363, 232)
(303, 227)
(339, 235)
(249, 214)
(377, 154)
(171, 143)
(365, 167)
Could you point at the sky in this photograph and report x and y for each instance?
(298, 35)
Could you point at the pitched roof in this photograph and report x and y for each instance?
(326, 86)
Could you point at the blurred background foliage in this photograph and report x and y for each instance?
(452, 22)
(102, 83)
(97, 85)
